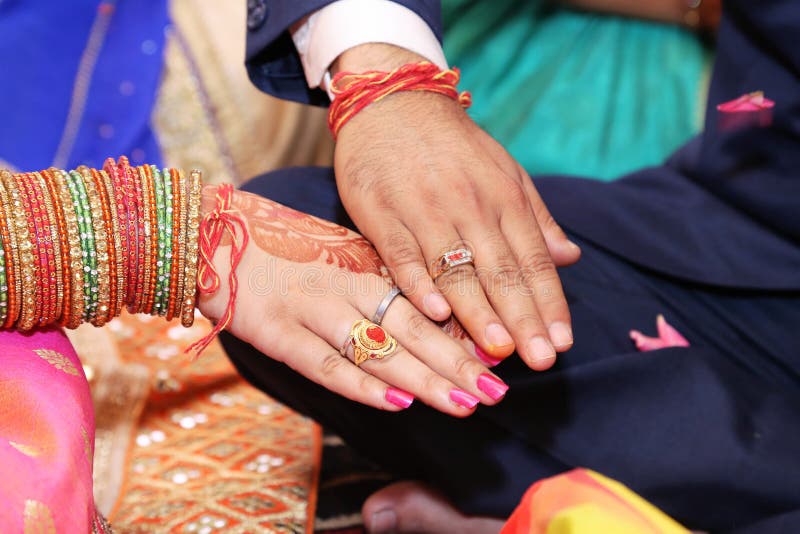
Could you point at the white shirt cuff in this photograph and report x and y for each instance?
(344, 24)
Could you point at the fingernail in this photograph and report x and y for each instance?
(398, 397)
(436, 305)
(498, 336)
(383, 521)
(485, 358)
(572, 245)
(541, 349)
(492, 386)
(560, 335)
(462, 398)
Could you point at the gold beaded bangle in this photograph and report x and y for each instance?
(33, 221)
(73, 309)
(60, 243)
(111, 250)
(192, 237)
(100, 315)
(50, 221)
(27, 267)
(5, 250)
(13, 275)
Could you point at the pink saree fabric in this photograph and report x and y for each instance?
(46, 435)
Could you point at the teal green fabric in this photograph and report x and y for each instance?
(569, 92)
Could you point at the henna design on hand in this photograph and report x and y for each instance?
(303, 238)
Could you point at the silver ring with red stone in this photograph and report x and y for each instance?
(450, 260)
(370, 342)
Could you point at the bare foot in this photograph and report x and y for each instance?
(412, 507)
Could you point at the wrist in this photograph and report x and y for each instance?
(373, 56)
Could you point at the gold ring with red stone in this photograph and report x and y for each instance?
(370, 342)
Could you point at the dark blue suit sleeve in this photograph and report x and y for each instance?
(272, 60)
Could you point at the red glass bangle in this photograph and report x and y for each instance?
(60, 240)
(135, 302)
(177, 263)
(114, 187)
(45, 225)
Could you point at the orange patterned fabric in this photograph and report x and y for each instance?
(210, 453)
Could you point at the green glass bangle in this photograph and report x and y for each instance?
(158, 185)
(168, 232)
(84, 215)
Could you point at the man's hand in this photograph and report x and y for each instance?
(419, 177)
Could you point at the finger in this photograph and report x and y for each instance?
(563, 251)
(444, 355)
(457, 333)
(463, 289)
(401, 252)
(507, 287)
(400, 369)
(539, 275)
(306, 353)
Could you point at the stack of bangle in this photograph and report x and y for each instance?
(79, 246)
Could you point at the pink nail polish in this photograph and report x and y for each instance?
(494, 387)
(462, 398)
(398, 397)
(485, 358)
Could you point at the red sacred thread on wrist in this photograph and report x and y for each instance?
(213, 226)
(353, 92)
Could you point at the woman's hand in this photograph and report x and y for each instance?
(304, 282)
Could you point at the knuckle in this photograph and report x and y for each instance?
(365, 382)
(416, 328)
(547, 222)
(529, 322)
(468, 193)
(504, 278)
(431, 381)
(516, 197)
(463, 367)
(537, 263)
(460, 280)
(548, 293)
(330, 364)
(400, 250)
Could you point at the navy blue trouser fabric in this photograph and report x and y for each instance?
(709, 433)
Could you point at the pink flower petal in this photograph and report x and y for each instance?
(646, 343)
(668, 336)
(667, 332)
(755, 101)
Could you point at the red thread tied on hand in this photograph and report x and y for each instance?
(212, 227)
(353, 92)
